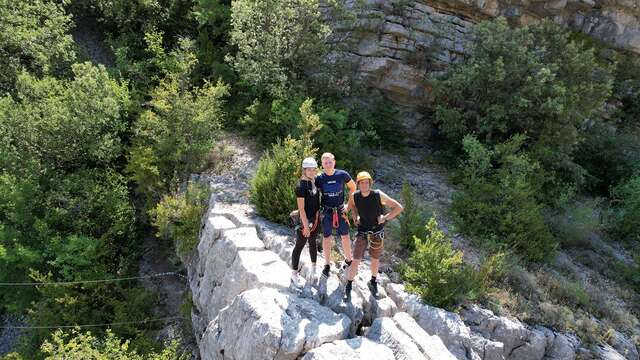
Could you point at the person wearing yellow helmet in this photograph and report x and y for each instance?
(367, 210)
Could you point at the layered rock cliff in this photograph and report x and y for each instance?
(394, 45)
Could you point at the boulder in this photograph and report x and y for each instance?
(385, 331)
(431, 346)
(351, 349)
(271, 324)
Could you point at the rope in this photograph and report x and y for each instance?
(92, 281)
(93, 325)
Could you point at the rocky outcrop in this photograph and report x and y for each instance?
(245, 308)
(394, 45)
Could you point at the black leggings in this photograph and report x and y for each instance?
(300, 241)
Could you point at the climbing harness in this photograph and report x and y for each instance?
(374, 238)
(335, 217)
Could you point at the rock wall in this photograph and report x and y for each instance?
(393, 45)
(245, 308)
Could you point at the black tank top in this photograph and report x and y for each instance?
(369, 208)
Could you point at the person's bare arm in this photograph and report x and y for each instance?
(396, 207)
(303, 217)
(351, 185)
(354, 210)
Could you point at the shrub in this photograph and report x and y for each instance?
(529, 80)
(576, 223)
(628, 273)
(66, 125)
(278, 42)
(76, 345)
(346, 131)
(411, 219)
(438, 274)
(273, 186)
(178, 217)
(34, 37)
(624, 218)
(609, 155)
(174, 137)
(498, 201)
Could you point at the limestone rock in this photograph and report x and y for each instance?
(270, 324)
(351, 349)
(385, 331)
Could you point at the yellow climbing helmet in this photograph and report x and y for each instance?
(363, 175)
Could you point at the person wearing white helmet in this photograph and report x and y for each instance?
(308, 201)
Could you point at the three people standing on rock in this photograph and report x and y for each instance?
(367, 210)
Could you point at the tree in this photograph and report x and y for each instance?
(172, 138)
(34, 36)
(65, 125)
(497, 201)
(278, 42)
(530, 80)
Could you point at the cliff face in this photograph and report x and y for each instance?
(393, 45)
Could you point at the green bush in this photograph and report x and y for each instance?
(65, 125)
(609, 154)
(34, 37)
(174, 137)
(178, 217)
(497, 199)
(347, 130)
(411, 220)
(279, 42)
(624, 218)
(529, 80)
(273, 186)
(76, 226)
(75, 345)
(628, 273)
(438, 274)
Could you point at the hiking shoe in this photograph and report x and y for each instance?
(347, 291)
(326, 271)
(346, 265)
(296, 280)
(373, 287)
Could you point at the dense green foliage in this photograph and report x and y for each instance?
(172, 138)
(278, 41)
(85, 346)
(34, 37)
(530, 80)
(439, 275)
(625, 215)
(498, 199)
(411, 220)
(178, 217)
(64, 125)
(346, 131)
(273, 186)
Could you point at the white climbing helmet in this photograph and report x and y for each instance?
(309, 163)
